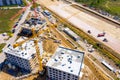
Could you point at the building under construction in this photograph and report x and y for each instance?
(65, 64)
(23, 56)
(27, 53)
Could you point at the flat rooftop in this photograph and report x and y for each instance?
(67, 60)
(25, 51)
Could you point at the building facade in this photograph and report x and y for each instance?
(65, 64)
(23, 56)
(28, 65)
(10, 2)
(55, 74)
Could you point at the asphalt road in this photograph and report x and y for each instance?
(17, 29)
(13, 38)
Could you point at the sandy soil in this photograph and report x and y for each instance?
(5, 76)
(87, 22)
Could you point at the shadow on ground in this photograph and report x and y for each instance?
(12, 69)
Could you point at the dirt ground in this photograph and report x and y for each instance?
(5, 76)
(85, 17)
(85, 22)
(49, 46)
(88, 74)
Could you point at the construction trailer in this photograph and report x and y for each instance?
(71, 34)
(65, 64)
(107, 65)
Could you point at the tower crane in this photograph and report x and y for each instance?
(34, 35)
(34, 6)
(41, 70)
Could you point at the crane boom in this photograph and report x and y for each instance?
(35, 35)
(38, 55)
(19, 43)
(34, 5)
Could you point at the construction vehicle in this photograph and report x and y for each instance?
(101, 34)
(91, 50)
(57, 41)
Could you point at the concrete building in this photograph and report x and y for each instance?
(65, 64)
(10, 2)
(18, 1)
(23, 56)
(1, 3)
(71, 34)
(14, 1)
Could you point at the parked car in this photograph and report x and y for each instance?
(13, 31)
(101, 34)
(105, 40)
(15, 25)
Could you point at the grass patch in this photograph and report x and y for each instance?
(24, 3)
(30, 0)
(5, 22)
(111, 6)
(2, 46)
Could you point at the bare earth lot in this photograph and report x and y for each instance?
(87, 22)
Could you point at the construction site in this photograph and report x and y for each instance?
(45, 48)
